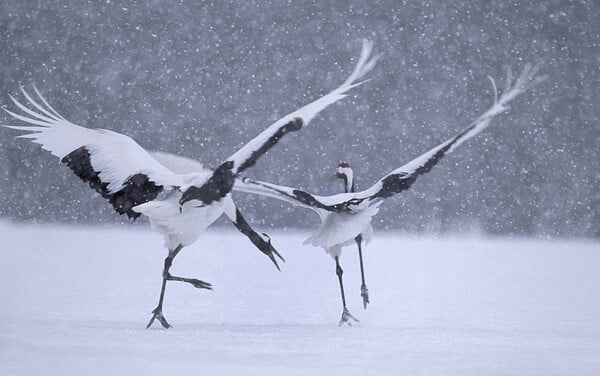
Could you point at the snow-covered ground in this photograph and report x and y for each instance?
(75, 300)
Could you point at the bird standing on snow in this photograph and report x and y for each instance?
(179, 206)
(346, 217)
(345, 173)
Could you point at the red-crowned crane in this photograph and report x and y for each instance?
(346, 217)
(180, 206)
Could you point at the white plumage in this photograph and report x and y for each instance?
(339, 229)
(179, 204)
(346, 217)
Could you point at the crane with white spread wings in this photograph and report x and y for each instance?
(180, 206)
(346, 217)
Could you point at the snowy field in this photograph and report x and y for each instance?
(75, 301)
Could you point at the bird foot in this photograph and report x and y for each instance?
(199, 284)
(274, 260)
(158, 315)
(346, 317)
(364, 292)
(193, 281)
(271, 252)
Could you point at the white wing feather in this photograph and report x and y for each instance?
(307, 113)
(116, 156)
(180, 165)
(419, 165)
(405, 175)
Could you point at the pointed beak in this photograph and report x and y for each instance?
(332, 178)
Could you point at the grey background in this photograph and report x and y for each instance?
(202, 78)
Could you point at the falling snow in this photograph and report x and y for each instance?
(200, 80)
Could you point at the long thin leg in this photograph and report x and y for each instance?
(345, 313)
(262, 242)
(157, 312)
(364, 291)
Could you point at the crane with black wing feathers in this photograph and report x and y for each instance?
(346, 217)
(180, 206)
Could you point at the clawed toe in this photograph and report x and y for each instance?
(193, 281)
(346, 317)
(272, 253)
(200, 284)
(278, 255)
(158, 315)
(274, 260)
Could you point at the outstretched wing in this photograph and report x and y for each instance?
(248, 155)
(294, 196)
(320, 204)
(401, 178)
(111, 163)
(180, 165)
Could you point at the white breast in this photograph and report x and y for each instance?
(180, 224)
(340, 229)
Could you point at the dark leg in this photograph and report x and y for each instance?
(364, 291)
(345, 313)
(263, 243)
(157, 312)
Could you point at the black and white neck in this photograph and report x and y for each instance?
(345, 173)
